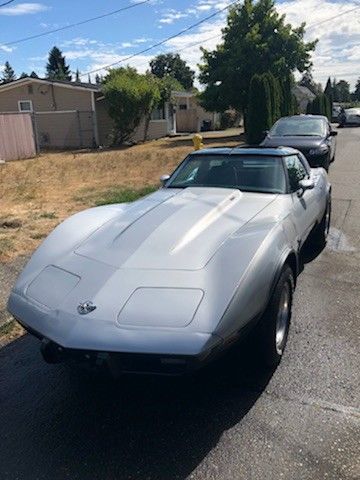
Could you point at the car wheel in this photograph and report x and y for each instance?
(321, 231)
(275, 324)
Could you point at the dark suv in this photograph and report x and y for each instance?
(311, 134)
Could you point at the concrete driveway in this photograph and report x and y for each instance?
(301, 423)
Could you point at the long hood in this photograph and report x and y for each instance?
(175, 230)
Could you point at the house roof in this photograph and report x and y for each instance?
(61, 83)
(303, 92)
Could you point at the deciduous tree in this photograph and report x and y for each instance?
(256, 40)
(129, 97)
(172, 65)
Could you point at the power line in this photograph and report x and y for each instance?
(6, 3)
(162, 42)
(333, 17)
(83, 22)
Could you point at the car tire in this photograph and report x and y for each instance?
(275, 322)
(321, 232)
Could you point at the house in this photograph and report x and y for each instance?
(72, 114)
(190, 116)
(303, 96)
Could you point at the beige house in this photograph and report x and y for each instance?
(190, 116)
(74, 114)
(70, 114)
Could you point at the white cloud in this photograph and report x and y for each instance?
(6, 49)
(336, 53)
(171, 15)
(23, 9)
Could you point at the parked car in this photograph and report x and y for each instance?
(311, 134)
(350, 116)
(336, 110)
(166, 283)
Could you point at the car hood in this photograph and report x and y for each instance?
(299, 143)
(173, 229)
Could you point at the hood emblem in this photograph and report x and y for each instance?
(86, 307)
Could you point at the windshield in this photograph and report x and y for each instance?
(289, 127)
(249, 173)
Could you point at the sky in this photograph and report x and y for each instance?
(111, 39)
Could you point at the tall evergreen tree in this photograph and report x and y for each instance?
(77, 76)
(98, 79)
(8, 73)
(330, 96)
(357, 90)
(33, 75)
(24, 75)
(56, 68)
(274, 96)
(89, 78)
(287, 101)
(259, 114)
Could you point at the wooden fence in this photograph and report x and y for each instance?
(17, 137)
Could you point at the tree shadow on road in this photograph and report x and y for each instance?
(56, 423)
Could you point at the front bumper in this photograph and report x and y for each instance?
(136, 350)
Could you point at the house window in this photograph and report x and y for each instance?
(183, 106)
(25, 106)
(158, 114)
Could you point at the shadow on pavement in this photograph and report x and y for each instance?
(59, 423)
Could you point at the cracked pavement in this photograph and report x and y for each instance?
(234, 422)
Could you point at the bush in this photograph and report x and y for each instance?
(259, 116)
(320, 106)
(129, 97)
(275, 97)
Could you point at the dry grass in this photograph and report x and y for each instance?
(37, 194)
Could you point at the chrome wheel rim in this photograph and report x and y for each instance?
(282, 320)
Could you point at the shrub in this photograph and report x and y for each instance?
(259, 117)
(129, 97)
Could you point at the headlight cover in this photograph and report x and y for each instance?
(321, 150)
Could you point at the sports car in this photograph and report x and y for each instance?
(168, 282)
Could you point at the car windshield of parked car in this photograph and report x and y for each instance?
(250, 173)
(298, 127)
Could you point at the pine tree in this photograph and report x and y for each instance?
(98, 79)
(330, 96)
(24, 75)
(274, 96)
(89, 78)
(357, 90)
(56, 68)
(259, 117)
(8, 74)
(33, 75)
(77, 76)
(286, 105)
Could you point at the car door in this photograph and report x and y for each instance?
(304, 210)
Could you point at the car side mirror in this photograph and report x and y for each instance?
(305, 184)
(164, 179)
(333, 133)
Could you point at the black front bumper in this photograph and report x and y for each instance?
(318, 160)
(124, 362)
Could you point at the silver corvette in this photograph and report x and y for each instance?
(167, 282)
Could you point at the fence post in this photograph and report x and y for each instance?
(79, 125)
(35, 133)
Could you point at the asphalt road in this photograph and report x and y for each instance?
(303, 422)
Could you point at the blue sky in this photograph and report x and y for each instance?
(96, 44)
